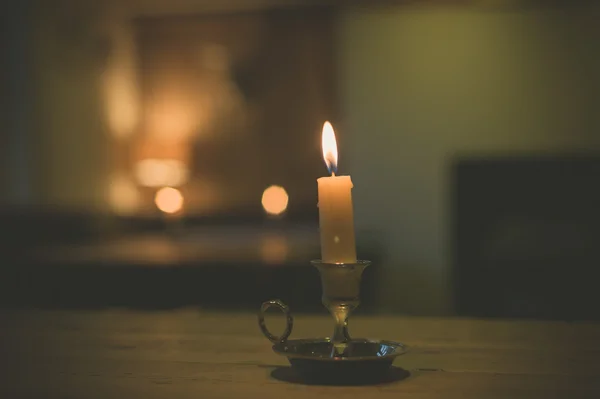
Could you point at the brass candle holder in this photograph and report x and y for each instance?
(338, 356)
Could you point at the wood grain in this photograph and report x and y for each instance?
(193, 353)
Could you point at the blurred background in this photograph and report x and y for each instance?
(158, 154)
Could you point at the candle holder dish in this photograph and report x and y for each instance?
(338, 357)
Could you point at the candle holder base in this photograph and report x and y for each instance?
(338, 357)
(363, 360)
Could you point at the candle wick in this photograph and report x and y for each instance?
(332, 174)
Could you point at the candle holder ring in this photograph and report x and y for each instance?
(289, 320)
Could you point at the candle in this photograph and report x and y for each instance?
(336, 220)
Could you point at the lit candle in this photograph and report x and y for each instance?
(336, 220)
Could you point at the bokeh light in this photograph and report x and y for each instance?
(169, 200)
(161, 173)
(123, 195)
(275, 200)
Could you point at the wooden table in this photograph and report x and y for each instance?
(196, 354)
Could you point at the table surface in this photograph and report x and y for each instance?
(192, 353)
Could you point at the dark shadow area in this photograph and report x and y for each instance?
(526, 233)
(68, 260)
(288, 374)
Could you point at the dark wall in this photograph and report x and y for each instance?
(526, 237)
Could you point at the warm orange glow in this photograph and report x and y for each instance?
(123, 195)
(121, 86)
(274, 249)
(161, 172)
(275, 200)
(169, 200)
(121, 104)
(171, 114)
(329, 145)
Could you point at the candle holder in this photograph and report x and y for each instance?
(341, 295)
(339, 357)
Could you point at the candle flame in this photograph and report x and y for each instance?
(330, 153)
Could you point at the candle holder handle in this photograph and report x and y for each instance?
(341, 295)
(289, 323)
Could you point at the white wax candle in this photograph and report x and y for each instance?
(336, 220)
(336, 217)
